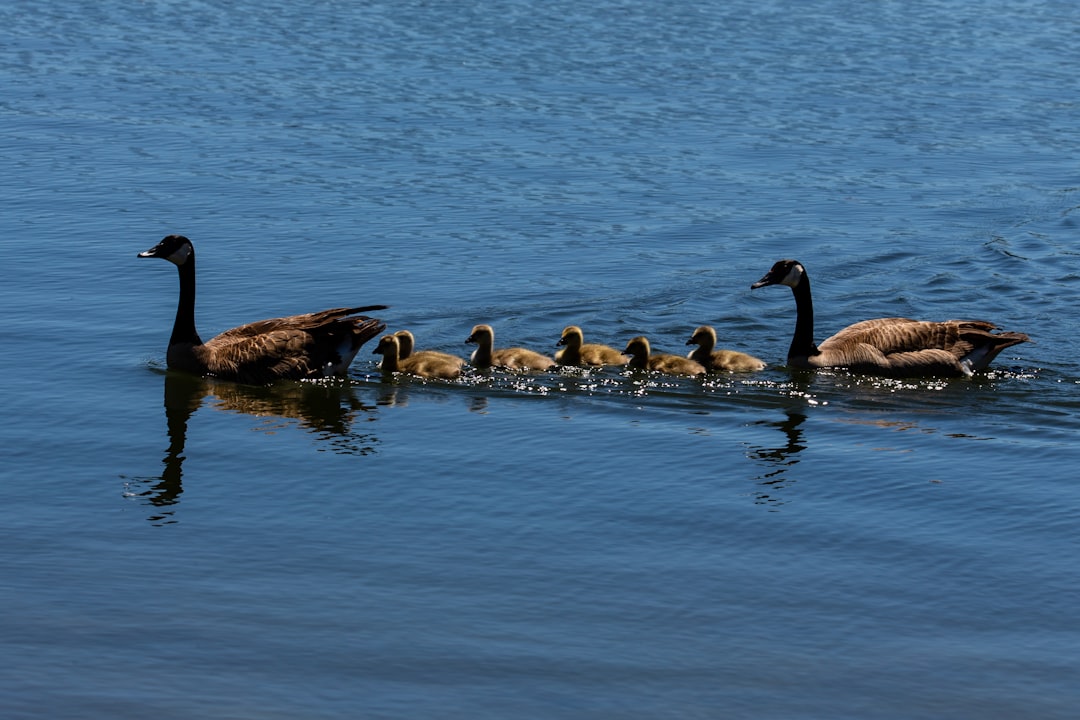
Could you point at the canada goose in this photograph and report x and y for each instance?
(422, 364)
(719, 360)
(296, 347)
(407, 343)
(888, 346)
(514, 358)
(577, 352)
(642, 359)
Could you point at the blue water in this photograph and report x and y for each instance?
(579, 545)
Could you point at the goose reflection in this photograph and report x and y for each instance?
(329, 411)
(779, 461)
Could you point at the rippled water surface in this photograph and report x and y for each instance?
(573, 544)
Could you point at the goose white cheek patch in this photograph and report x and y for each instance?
(180, 256)
(794, 276)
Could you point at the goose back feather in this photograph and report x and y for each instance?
(888, 346)
(296, 347)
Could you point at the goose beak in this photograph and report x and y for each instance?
(562, 341)
(148, 253)
(767, 280)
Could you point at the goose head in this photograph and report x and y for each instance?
(783, 272)
(571, 337)
(177, 249)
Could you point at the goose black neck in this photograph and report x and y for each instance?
(802, 343)
(184, 325)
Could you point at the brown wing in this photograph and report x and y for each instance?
(307, 321)
(856, 332)
(262, 357)
(293, 347)
(897, 335)
(910, 347)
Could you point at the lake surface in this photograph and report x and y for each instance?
(556, 545)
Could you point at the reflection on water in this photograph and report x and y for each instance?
(396, 394)
(779, 460)
(329, 411)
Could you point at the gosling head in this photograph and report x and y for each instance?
(388, 345)
(702, 335)
(481, 334)
(638, 347)
(783, 272)
(571, 336)
(406, 343)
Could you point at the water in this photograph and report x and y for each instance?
(560, 545)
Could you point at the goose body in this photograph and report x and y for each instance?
(642, 358)
(719, 360)
(888, 346)
(577, 352)
(425, 365)
(297, 347)
(515, 358)
(407, 345)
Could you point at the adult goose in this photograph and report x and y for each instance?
(578, 352)
(642, 358)
(515, 358)
(423, 364)
(295, 348)
(899, 347)
(719, 360)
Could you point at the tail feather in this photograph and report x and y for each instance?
(365, 329)
(364, 308)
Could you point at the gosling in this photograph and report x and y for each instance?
(643, 359)
(720, 360)
(483, 336)
(425, 367)
(577, 352)
(406, 343)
